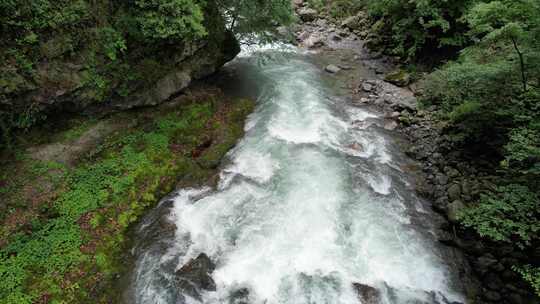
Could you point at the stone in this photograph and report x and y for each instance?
(352, 23)
(367, 294)
(307, 14)
(298, 3)
(399, 78)
(356, 146)
(395, 114)
(313, 41)
(454, 192)
(196, 275)
(367, 87)
(391, 125)
(240, 296)
(332, 69)
(453, 210)
(492, 296)
(441, 178)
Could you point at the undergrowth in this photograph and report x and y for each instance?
(73, 242)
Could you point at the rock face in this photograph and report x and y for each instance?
(145, 74)
(201, 61)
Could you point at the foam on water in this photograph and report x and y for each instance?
(294, 218)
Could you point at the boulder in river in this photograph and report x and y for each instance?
(367, 294)
(332, 69)
(195, 275)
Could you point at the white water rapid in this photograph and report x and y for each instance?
(312, 200)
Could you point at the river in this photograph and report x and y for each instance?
(315, 198)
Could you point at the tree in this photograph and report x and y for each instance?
(254, 19)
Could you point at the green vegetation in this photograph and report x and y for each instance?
(95, 52)
(64, 229)
(488, 96)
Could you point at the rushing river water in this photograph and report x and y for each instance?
(313, 199)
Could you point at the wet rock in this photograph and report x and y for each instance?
(313, 41)
(451, 172)
(307, 14)
(445, 237)
(332, 69)
(195, 275)
(367, 294)
(356, 146)
(240, 296)
(454, 209)
(336, 37)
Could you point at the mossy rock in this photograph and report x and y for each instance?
(398, 77)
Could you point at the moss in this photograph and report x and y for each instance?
(399, 77)
(67, 243)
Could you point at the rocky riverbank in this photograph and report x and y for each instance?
(449, 179)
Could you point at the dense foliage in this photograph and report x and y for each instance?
(68, 248)
(489, 97)
(120, 46)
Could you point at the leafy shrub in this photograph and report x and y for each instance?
(177, 19)
(416, 25)
(510, 214)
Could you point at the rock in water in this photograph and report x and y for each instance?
(332, 69)
(367, 294)
(195, 276)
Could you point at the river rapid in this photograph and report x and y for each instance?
(316, 197)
